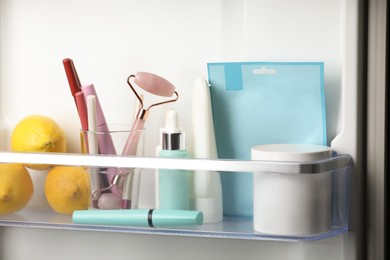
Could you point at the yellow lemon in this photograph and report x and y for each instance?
(16, 187)
(38, 133)
(67, 189)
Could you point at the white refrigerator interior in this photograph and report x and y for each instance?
(110, 40)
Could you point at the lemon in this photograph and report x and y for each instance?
(38, 133)
(16, 187)
(67, 189)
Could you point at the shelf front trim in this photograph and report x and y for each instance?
(335, 163)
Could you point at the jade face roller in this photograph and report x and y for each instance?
(155, 85)
(152, 84)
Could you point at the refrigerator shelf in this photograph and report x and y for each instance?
(315, 167)
(234, 228)
(230, 228)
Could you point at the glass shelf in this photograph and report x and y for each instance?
(228, 228)
(234, 228)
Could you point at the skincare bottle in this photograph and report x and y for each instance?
(173, 184)
(206, 185)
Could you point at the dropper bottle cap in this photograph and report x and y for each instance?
(173, 138)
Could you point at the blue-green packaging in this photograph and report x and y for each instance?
(263, 103)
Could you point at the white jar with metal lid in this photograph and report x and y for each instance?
(290, 204)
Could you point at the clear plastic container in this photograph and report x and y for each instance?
(228, 228)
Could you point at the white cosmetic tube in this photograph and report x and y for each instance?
(206, 185)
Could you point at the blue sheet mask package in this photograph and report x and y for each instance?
(263, 103)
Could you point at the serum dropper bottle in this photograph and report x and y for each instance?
(174, 184)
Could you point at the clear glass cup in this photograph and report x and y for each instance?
(113, 188)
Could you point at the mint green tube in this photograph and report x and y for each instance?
(138, 217)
